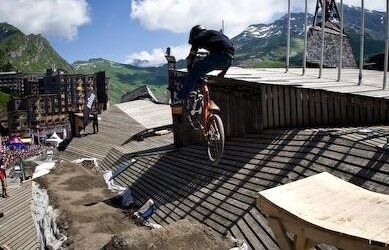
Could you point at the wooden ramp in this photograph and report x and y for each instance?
(115, 127)
(17, 228)
(147, 113)
(326, 209)
(184, 184)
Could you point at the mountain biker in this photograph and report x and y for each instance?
(221, 52)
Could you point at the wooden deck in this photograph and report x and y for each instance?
(115, 127)
(17, 228)
(371, 86)
(185, 185)
(253, 100)
(147, 113)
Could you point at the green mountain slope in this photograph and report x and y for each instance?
(264, 45)
(124, 78)
(27, 53)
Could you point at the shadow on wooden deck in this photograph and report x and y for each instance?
(184, 184)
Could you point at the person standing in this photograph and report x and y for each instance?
(3, 179)
(95, 123)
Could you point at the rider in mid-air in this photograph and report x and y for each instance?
(221, 52)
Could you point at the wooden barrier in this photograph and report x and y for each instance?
(248, 107)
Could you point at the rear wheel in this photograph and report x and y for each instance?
(215, 138)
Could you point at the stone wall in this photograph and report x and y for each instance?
(331, 49)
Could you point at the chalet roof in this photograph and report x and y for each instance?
(139, 93)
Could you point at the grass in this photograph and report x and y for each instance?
(125, 78)
(4, 98)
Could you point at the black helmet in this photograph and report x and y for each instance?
(194, 32)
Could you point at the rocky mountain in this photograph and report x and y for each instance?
(124, 78)
(264, 45)
(27, 53)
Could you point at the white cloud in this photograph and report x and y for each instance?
(180, 15)
(156, 57)
(56, 17)
(369, 4)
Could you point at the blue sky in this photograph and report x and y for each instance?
(130, 30)
(112, 34)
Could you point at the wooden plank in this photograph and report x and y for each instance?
(337, 109)
(306, 107)
(293, 107)
(287, 106)
(282, 109)
(300, 114)
(312, 107)
(331, 109)
(377, 110)
(270, 113)
(363, 111)
(280, 233)
(324, 107)
(276, 107)
(369, 110)
(349, 109)
(343, 109)
(263, 108)
(383, 111)
(318, 109)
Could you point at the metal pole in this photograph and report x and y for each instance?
(288, 39)
(362, 43)
(386, 45)
(341, 42)
(223, 26)
(323, 20)
(306, 38)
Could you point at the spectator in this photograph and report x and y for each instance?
(3, 179)
(95, 123)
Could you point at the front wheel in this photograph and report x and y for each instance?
(215, 138)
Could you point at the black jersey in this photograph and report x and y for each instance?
(213, 41)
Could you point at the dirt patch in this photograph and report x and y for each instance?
(91, 217)
(86, 215)
(183, 234)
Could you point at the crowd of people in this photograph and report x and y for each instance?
(11, 157)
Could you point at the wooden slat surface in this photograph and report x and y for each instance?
(328, 202)
(115, 127)
(185, 185)
(17, 228)
(147, 113)
(371, 86)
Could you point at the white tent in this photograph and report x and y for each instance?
(54, 139)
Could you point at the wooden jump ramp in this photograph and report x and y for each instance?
(326, 209)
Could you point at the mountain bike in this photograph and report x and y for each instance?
(202, 115)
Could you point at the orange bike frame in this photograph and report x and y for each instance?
(207, 102)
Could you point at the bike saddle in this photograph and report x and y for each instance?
(213, 107)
